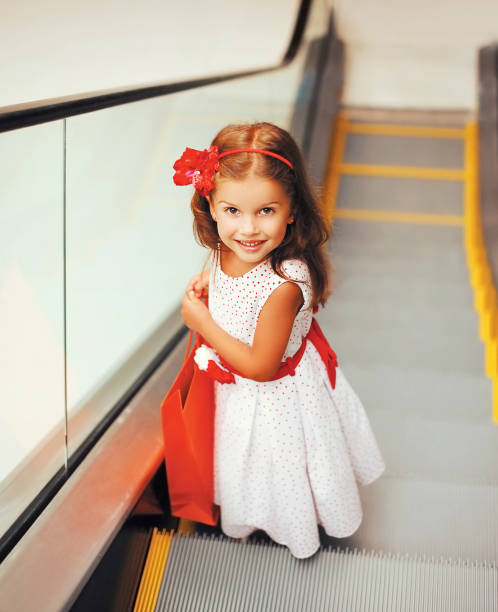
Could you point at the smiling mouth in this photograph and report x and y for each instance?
(250, 243)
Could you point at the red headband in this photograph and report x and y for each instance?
(199, 167)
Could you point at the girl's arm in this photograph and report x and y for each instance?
(261, 360)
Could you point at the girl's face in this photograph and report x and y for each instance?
(252, 216)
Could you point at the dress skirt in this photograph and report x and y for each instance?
(290, 454)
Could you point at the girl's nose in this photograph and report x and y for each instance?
(248, 225)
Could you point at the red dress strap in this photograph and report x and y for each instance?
(329, 358)
(287, 367)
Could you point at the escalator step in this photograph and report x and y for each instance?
(153, 571)
(212, 573)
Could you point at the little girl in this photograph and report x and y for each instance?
(292, 440)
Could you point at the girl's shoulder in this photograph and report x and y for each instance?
(296, 269)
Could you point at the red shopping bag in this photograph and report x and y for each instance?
(187, 414)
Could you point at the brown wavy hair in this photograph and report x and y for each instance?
(305, 238)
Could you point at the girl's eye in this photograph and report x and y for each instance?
(266, 210)
(231, 210)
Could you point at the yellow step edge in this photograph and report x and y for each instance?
(398, 217)
(157, 571)
(480, 274)
(331, 187)
(152, 574)
(491, 357)
(145, 582)
(145, 593)
(480, 277)
(442, 174)
(415, 131)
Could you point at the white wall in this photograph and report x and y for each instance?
(402, 53)
(52, 48)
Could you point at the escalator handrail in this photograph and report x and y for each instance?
(43, 111)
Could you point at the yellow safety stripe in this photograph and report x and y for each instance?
(397, 216)
(485, 295)
(442, 174)
(414, 131)
(155, 564)
(333, 175)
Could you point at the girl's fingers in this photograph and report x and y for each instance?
(192, 282)
(201, 288)
(192, 291)
(199, 285)
(192, 295)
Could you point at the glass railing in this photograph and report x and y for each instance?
(96, 250)
(32, 410)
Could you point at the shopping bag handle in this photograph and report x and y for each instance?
(198, 340)
(188, 346)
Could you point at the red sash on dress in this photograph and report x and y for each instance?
(287, 367)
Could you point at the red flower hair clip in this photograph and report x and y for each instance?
(197, 168)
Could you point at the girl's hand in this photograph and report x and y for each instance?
(195, 313)
(199, 284)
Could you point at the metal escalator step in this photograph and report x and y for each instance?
(153, 571)
(212, 573)
(400, 194)
(404, 151)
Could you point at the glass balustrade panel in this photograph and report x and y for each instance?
(32, 414)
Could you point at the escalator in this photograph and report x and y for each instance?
(398, 195)
(398, 187)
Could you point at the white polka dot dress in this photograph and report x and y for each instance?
(289, 453)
